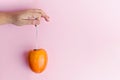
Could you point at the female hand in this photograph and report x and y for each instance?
(28, 17)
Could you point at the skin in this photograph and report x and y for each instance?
(23, 17)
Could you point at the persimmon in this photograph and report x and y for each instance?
(37, 60)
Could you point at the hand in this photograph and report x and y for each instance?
(28, 17)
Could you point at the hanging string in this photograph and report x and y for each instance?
(36, 37)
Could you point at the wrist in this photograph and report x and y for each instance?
(9, 18)
(5, 18)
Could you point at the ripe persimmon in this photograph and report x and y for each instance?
(37, 59)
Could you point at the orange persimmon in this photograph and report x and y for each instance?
(37, 60)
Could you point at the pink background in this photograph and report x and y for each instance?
(82, 40)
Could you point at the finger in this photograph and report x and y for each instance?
(27, 21)
(46, 18)
(43, 14)
(36, 10)
(30, 22)
(36, 22)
